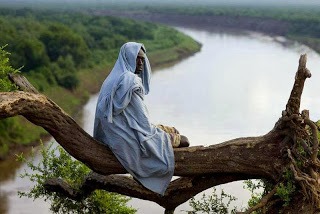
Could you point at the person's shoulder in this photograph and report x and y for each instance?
(129, 78)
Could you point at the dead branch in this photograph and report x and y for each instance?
(293, 105)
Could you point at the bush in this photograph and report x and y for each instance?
(5, 69)
(57, 163)
(212, 204)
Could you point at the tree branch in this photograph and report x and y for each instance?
(206, 166)
(237, 156)
(202, 167)
(178, 192)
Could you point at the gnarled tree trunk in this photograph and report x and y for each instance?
(261, 157)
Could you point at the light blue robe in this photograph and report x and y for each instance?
(122, 123)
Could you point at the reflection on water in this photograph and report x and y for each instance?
(236, 86)
(3, 203)
(8, 169)
(9, 188)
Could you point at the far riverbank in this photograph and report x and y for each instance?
(207, 22)
(226, 23)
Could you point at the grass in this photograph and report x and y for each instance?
(174, 50)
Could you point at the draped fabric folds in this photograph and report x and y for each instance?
(122, 123)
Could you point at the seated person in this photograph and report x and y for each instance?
(121, 122)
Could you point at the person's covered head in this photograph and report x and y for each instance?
(132, 58)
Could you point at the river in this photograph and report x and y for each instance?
(236, 86)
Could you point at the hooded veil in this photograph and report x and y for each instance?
(122, 123)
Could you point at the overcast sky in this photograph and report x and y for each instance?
(314, 2)
(309, 2)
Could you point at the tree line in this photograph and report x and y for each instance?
(52, 46)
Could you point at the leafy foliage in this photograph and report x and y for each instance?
(212, 204)
(8, 127)
(285, 191)
(258, 190)
(5, 69)
(57, 163)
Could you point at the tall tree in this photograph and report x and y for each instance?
(290, 148)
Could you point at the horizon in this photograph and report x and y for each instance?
(162, 2)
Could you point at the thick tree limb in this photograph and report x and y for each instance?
(43, 112)
(234, 156)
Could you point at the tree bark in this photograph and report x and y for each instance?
(234, 156)
(200, 167)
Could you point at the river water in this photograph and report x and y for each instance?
(236, 86)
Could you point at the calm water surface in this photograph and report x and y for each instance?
(236, 86)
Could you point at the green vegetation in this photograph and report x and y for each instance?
(57, 163)
(302, 20)
(71, 54)
(300, 23)
(5, 69)
(8, 127)
(258, 189)
(213, 204)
